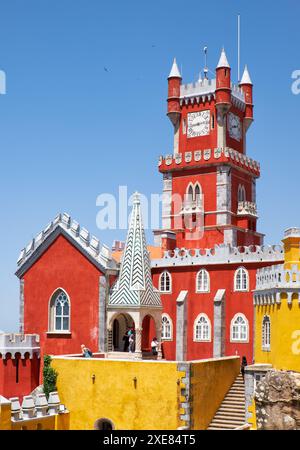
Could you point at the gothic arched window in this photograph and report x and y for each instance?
(59, 314)
(167, 328)
(202, 329)
(202, 281)
(241, 279)
(266, 333)
(241, 193)
(239, 331)
(165, 282)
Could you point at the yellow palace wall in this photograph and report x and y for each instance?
(143, 395)
(285, 335)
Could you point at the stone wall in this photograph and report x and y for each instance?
(277, 399)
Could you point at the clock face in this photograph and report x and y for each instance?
(234, 127)
(198, 123)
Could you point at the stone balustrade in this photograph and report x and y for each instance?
(247, 209)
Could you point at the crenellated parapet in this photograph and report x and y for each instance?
(23, 344)
(220, 254)
(200, 158)
(101, 254)
(38, 408)
(203, 91)
(273, 281)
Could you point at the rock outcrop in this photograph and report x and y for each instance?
(277, 399)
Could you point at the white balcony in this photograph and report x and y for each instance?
(247, 209)
(276, 277)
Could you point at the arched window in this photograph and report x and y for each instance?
(104, 424)
(266, 333)
(241, 193)
(194, 194)
(59, 314)
(202, 329)
(241, 280)
(239, 330)
(198, 192)
(165, 282)
(202, 281)
(167, 328)
(190, 192)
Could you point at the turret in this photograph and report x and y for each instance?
(174, 82)
(247, 87)
(291, 243)
(223, 84)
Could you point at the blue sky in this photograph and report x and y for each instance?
(71, 130)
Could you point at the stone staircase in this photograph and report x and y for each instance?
(231, 414)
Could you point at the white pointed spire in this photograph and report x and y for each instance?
(174, 71)
(223, 62)
(134, 286)
(246, 77)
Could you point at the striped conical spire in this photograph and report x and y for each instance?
(134, 286)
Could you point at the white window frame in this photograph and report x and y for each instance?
(266, 334)
(240, 272)
(208, 323)
(203, 273)
(52, 312)
(168, 318)
(232, 325)
(164, 290)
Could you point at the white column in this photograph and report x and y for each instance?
(138, 343)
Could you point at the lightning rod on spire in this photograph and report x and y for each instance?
(205, 70)
(239, 45)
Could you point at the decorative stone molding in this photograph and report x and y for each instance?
(185, 393)
(220, 254)
(210, 156)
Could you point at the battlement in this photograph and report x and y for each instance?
(35, 412)
(278, 277)
(36, 406)
(205, 89)
(88, 242)
(220, 254)
(273, 281)
(292, 232)
(215, 156)
(19, 343)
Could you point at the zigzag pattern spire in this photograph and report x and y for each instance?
(134, 286)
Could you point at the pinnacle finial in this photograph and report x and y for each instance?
(174, 71)
(246, 77)
(136, 198)
(223, 62)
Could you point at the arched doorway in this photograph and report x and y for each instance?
(121, 324)
(104, 424)
(148, 333)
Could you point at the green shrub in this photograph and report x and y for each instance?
(49, 376)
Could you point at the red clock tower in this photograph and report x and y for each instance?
(209, 181)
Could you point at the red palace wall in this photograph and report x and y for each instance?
(221, 277)
(63, 266)
(18, 376)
